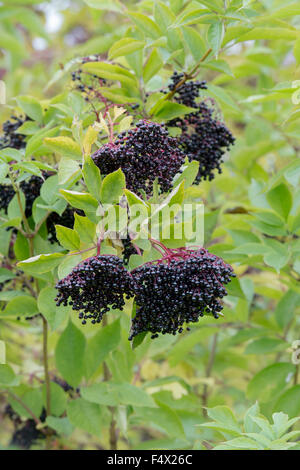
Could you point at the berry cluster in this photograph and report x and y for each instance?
(66, 219)
(203, 136)
(7, 192)
(188, 93)
(128, 250)
(177, 289)
(88, 84)
(26, 435)
(94, 286)
(31, 189)
(144, 154)
(11, 138)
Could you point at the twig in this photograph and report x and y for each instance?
(26, 408)
(188, 76)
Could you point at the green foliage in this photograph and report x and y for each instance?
(89, 382)
(255, 433)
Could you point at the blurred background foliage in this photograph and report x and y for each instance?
(252, 209)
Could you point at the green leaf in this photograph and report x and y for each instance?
(222, 95)
(31, 107)
(195, 42)
(92, 177)
(6, 275)
(187, 343)
(215, 36)
(85, 229)
(288, 10)
(2, 352)
(138, 339)
(49, 190)
(249, 424)
(32, 398)
(169, 110)
(86, 416)
(280, 200)
(297, 50)
(270, 381)
(54, 315)
(225, 417)
(269, 33)
(41, 263)
(58, 402)
(112, 187)
(20, 306)
(112, 5)
(67, 264)
(7, 376)
(69, 354)
(153, 64)
(64, 145)
(60, 425)
(163, 16)
(163, 418)
(265, 346)
(67, 170)
(219, 65)
(67, 237)
(146, 25)
(100, 345)
(124, 46)
(10, 43)
(289, 402)
(83, 201)
(110, 72)
(285, 309)
(13, 209)
(113, 394)
(234, 288)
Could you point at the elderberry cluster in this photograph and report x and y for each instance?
(11, 138)
(203, 136)
(88, 84)
(178, 290)
(94, 286)
(31, 189)
(188, 93)
(128, 250)
(144, 154)
(66, 219)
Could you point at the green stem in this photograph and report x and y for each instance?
(113, 432)
(208, 372)
(46, 366)
(29, 235)
(188, 76)
(26, 408)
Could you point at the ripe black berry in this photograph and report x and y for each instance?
(204, 137)
(66, 219)
(11, 138)
(26, 436)
(94, 286)
(144, 154)
(128, 250)
(31, 189)
(178, 289)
